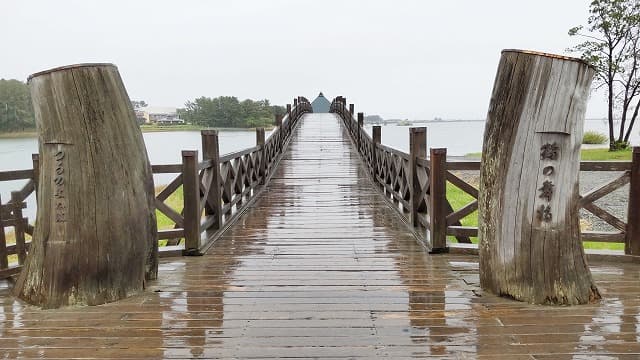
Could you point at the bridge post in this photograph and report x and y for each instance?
(278, 120)
(351, 109)
(262, 169)
(4, 261)
(376, 136)
(417, 149)
(438, 201)
(632, 241)
(295, 102)
(359, 130)
(211, 151)
(191, 192)
(290, 118)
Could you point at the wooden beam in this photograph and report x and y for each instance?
(438, 200)
(632, 241)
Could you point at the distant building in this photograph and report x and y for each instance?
(321, 104)
(161, 115)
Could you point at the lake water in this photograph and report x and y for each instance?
(464, 137)
(460, 138)
(162, 147)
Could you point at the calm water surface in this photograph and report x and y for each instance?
(162, 147)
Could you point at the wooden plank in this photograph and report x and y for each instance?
(465, 231)
(170, 213)
(605, 189)
(609, 237)
(8, 272)
(461, 213)
(462, 185)
(16, 175)
(238, 154)
(166, 169)
(393, 151)
(606, 216)
(170, 234)
(605, 165)
(169, 189)
(463, 165)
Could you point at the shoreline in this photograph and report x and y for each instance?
(34, 134)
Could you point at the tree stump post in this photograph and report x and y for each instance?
(632, 243)
(95, 234)
(530, 245)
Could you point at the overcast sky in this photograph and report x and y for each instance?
(412, 59)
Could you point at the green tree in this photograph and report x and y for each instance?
(228, 111)
(611, 44)
(16, 111)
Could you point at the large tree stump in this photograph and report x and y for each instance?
(530, 246)
(95, 234)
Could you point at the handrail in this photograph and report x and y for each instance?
(416, 186)
(220, 186)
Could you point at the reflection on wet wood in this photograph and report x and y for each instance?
(324, 268)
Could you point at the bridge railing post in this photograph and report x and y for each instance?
(376, 136)
(632, 237)
(262, 169)
(211, 151)
(417, 149)
(359, 130)
(191, 193)
(35, 161)
(19, 227)
(351, 109)
(438, 201)
(289, 114)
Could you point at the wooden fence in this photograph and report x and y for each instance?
(216, 190)
(416, 186)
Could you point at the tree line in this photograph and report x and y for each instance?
(16, 111)
(228, 111)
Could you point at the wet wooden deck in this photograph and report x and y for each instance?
(321, 267)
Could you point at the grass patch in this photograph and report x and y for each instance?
(593, 137)
(585, 154)
(605, 154)
(176, 202)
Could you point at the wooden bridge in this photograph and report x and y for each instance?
(316, 243)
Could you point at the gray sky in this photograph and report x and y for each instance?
(401, 58)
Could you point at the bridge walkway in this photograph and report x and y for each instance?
(321, 267)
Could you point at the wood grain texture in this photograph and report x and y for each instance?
(530, 246)
(95, 239)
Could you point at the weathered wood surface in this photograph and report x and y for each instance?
(95, 236)
(530, 247)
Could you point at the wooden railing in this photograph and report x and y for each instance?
(416, 186)
(215, 191)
